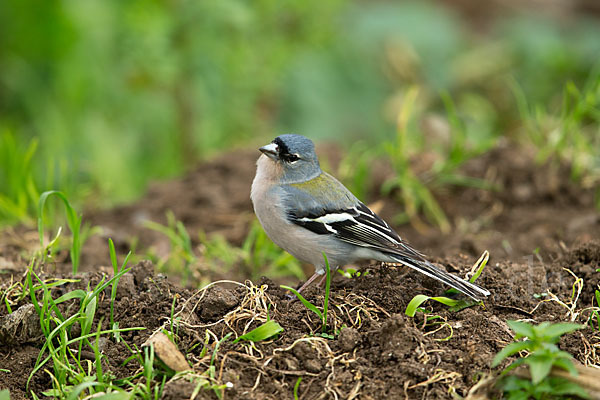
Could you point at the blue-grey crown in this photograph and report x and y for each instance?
(296, 144)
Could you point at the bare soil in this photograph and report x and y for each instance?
(376, 351)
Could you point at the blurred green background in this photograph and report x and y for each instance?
(97, 98)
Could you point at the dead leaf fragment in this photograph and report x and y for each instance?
(167, 351)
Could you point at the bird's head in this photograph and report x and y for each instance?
(296, 156)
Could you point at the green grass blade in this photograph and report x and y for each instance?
(73, 220)
(296, 386)
(115, 280)
(327, 292)
(29, 284)
(97, 355)
(75, 294)
(103, 285)
(214, 354)
(478, 268)
(89, 313)
(103, 332)
(74, 394)
(480, 265)
(49, 337)
(306, 303)
(113, 256)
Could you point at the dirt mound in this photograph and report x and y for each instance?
(375, 350)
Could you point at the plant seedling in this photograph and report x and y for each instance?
(68, 367)
(113, 292)
(595, 312)
(73, 220)
(182, 256)
(540, 342)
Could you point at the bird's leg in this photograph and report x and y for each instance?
(308, 282)
(324, 278)
(322, 281)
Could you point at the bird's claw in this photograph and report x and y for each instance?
(291, 297)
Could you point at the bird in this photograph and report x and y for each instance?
(308, 213)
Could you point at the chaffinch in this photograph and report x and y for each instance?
(307, 212)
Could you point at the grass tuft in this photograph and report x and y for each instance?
(73, 220)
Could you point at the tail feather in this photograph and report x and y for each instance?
(425, 267)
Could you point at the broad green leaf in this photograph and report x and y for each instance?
(509, 350)
(419, 299)
(539, 367)
(562, 354)
(522, 329)
(263, 332)
(562, 386)
(512, 383)
(555, 331)
(518, 396)
(566, 364)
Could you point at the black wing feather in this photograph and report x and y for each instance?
(362, 228)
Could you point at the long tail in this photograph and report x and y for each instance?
(425, 267)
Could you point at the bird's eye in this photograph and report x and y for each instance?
(291, 158)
